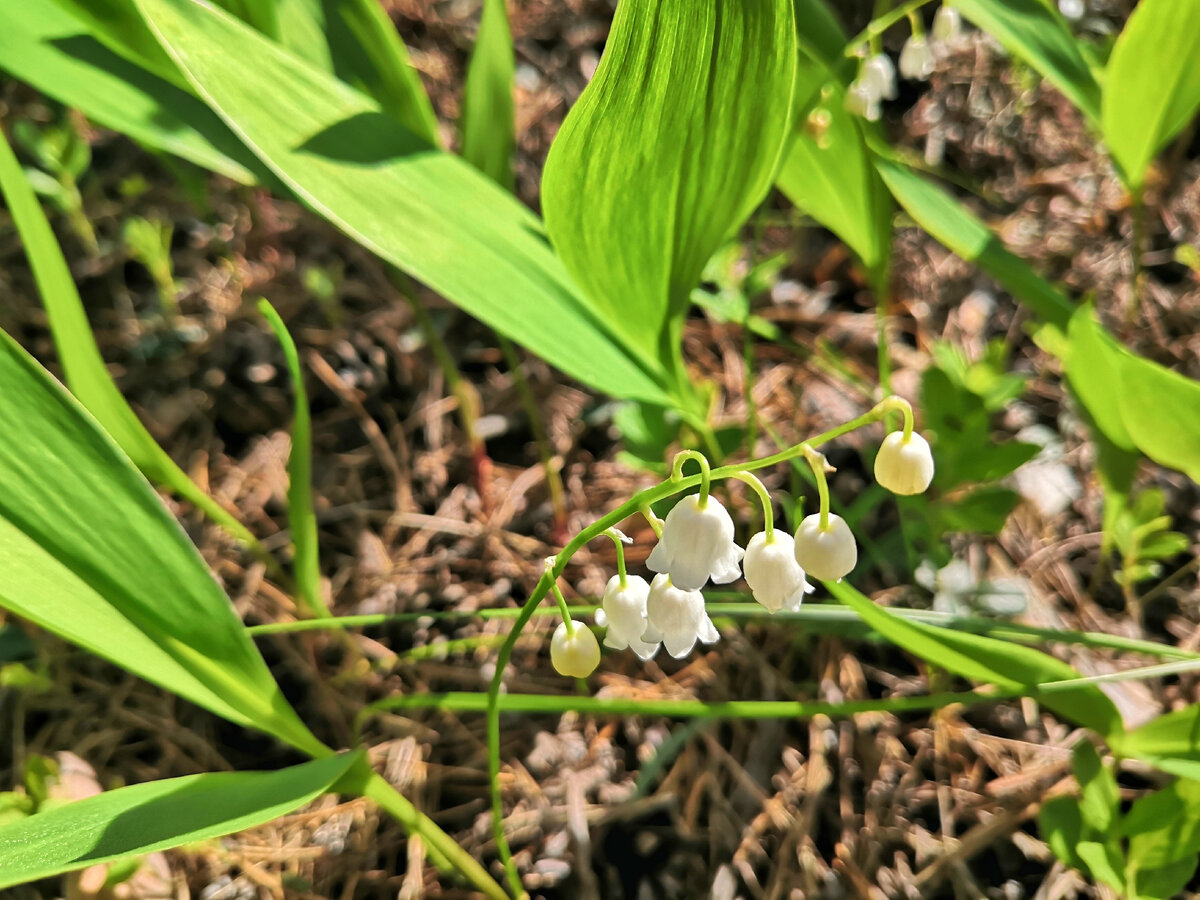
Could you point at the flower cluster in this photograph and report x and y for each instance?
(876, 79)
(696, 545)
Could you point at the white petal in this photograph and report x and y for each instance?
(708, 633)
(679, 646)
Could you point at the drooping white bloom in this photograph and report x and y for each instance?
(904, 466)
(574, 655)
(947, 24)
(697, 544)
(916, 59)
(1072, 9)
(677, 618)
(624, 609)
(775, 578)
(860, 101)
(879, 76)
(826, 553)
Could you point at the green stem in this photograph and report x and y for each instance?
(878, 26)
(619, 540)
(563, 609)
(639, 502)
(1138, 214)
(765, 498)
(820, 465)
(705, 472)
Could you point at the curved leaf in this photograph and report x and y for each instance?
(671, 146)
(1152, 83)
(423, 210)
(145, 818)
(1034, 30)
(988, 660)
(80, 357)
(88, 551)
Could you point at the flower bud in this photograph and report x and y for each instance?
(677, 618)
(774, 576)
(904, 466)
(574, 655)
(860, 101)
(879, 77)
(947, 24)
(827, 553)
(916, 59)
(697, 544)
(625, 610)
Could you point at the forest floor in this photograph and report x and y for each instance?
(411, 520)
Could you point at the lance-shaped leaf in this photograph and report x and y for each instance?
(671, 146)
(487, 122)
(158, 815)
(89, 552)
(1152, 83)
(1036, 32)
(423, 210)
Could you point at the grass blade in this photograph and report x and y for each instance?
(488, 123)
(302, 517)
(82, 364)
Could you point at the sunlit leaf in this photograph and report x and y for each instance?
(1170, 742)
(988, 660)
(488, 125)
(671, 146)
(158, 815)
(423, 210)
(89, 552)
(1035, 31)
(1152, 83)
(1101, 796)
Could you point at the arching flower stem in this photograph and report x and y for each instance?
(820, 466)
(619, 540)
(765, 498)
(562, 607)
(638, 503)
(705, 473)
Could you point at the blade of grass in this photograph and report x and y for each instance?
(302, 517)
(86, 374)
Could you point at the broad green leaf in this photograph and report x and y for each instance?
(1152, 83)
(89, 552)
(1135, 402)
(1165, 882)
(1062, 827)
(1164, 827)
(488, 123)
(988, 660)
(820, 35)
(302, 516)
(1170, 742)
(962, 232)
(158, 815)
(1101, 797)
(118, 26)
(80, 357)
(355, 40)
(54, 52)
(828, 172)
(425, 211)
(1034, 31)
(670, 147)
(258, 14)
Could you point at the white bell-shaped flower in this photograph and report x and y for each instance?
(775, 578)
(697, 544)
(677, 618)
(574, 655)
(916, 59)
(860, 101)
(879, 76)
(1072, 9)
(947, 24)
(624, 609)
(904, 465)
(827, 553)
